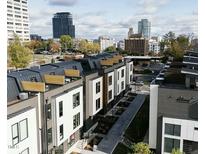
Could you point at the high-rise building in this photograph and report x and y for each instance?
(63, 25)
(130, 32)
(18, 20)
(144, 28)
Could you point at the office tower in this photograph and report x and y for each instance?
(144, 28)
(63, 25)
(130, 32)
(18, 20)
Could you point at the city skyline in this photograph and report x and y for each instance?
(95, 18)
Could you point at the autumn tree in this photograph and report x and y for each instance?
(66, 42)
(19, 56)
(33, 44)
(140, 148)
(54, 47)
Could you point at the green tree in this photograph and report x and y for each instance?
(140, 148)
(19, 56)
(66, 42)
(110, 49)
(176, 151)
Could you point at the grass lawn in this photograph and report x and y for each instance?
(121, 149)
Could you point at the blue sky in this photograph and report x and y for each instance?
(93, 18)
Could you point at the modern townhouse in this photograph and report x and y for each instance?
(60, 109)
(173, 121)
(190, 69)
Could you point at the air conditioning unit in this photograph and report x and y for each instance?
(23, 96)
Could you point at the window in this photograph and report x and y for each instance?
(122, 85)
(110, 80)
(33, 79)
(60, 108)
(52, 73)
(17, 0)
(49, 136)
(17, 8)
(61, 132)
(130, 77)
(23, 126)
(76, 120)
(97, 104)
(97, 87)
(8, 6)
(26, 151)
(122, 73)
(75, 67)
(169, 144)
(118, 75)
(49, 112)
(110, 95)
(196, 128)
(171, 129)
(76, 100)
(118, 88)
(24, 9)
(24, 2)
(131, 67)
(15, 134)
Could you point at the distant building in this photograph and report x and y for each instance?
(130, 32)
(144, 28)
(137, 46)
(35, 37)
(63, 25)
(154, 46)
(121, 45)
(18, 20)
(105, 42)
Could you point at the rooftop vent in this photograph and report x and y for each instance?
(23, 96)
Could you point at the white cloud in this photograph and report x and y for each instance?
(62, 2)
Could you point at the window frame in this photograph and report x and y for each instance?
(61, 135)
(76, 104)
(26, 130)
(59, 108)
(13, 134)
(97, 88)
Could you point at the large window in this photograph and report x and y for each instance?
(23, 129)
(122, 85)
(130, 78)
(19, 131)
(76, 100)
(118, 88)
(97, 87)
(60, 108)
(171, 129)
(122, 73)
(15, 134)
(170, 144)
(110, 80)
(61, 132)
(76, 120)
(49, 136)
(118, 75)
(97, 104)
(110, 95)
(49, 112)
(131, 67)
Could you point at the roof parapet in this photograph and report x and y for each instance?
(54, 79)
(72, 73)
(33, 86)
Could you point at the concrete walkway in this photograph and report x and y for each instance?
(111, 140)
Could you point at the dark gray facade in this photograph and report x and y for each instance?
(63, 25)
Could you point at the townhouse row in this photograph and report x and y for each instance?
(52, 107)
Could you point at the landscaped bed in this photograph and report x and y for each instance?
(119, 111)
(121, 149)
(123, 104)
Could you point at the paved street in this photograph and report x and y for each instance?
(111, 140)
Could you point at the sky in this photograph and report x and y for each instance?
(93, 18)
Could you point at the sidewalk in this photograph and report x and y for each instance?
(111, 140)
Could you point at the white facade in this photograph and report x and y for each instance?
(119, 80)
(154, 46)
(105, 42)
(111, 86)
(189, 131)
(153, 116)
(22, 133)
(129, 72)
(18, 19)
(95, 95)
(67, 117)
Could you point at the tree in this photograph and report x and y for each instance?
(88, 47)
(176, 151)
(140, 148)
(19, 56)
(66, 42)
(55, 47)
(110, 49)
(33, 44)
